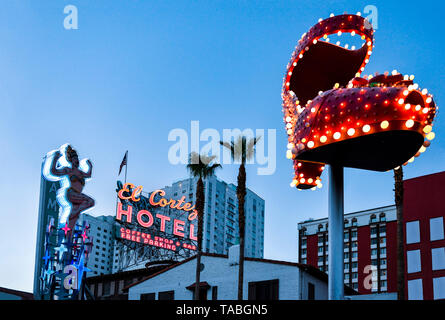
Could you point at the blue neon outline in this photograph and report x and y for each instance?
(65, 183)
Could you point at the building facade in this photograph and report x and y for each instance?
(110, 286)
(221, 215)
(370, 238)
(263, 280)
(100, 259)
(424, 214)
(220, 226)
(370, 252)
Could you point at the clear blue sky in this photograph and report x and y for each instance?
(134, 70)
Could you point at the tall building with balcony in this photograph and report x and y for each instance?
(370, 252)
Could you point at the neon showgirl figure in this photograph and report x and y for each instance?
(72, 175)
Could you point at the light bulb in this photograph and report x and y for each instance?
(430, 136)
(409, 123)
(384, 124)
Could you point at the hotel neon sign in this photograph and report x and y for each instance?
(146, 219)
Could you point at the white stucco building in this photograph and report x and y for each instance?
(263, 279)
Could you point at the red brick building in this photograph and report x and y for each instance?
(369, 245)
(424, 212)
(370, 239)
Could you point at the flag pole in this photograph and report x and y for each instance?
(126, 165)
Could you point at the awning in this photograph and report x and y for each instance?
(202, 285)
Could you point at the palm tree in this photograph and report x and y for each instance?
(398, 195)
(241, 150)
(199, 166)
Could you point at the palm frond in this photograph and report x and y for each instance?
(200, 165)
(242, 149)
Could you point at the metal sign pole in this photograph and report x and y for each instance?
(335, 231)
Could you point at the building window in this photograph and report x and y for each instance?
(148, 296)
(354, 222)
(439, 288)
(215, 293)
(202, 293)
(413, 261)
(412, 232)
(264, 290)
(438, 258)
(436, 229)
(166, 295)
(415, 289)
(382, 217)
(310, 291)
(106, 288)
(373, 219)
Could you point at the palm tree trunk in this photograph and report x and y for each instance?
(241, 194)
(398, 195)
(200, 198)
